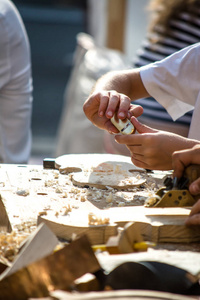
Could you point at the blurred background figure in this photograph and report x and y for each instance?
(55, 29)
(52, 27)
(15, 87)
(76, 134)
(173, 26)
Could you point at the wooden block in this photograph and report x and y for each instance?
(41, 243)
(97, 234)
(157, 225)
(100, 171)
(56, 271)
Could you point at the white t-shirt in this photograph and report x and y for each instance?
(175, 83)
(183, 31)
(15, 87)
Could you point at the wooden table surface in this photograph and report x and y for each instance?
(29, 191)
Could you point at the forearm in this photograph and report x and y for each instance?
(127, 82)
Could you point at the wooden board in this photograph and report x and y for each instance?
(101, 171)
(46, 202)
(116, 24)
(55, 271)
(39, 244)
(155, 225)
(164, 225)
(53, 199)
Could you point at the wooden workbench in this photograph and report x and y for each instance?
(31, 195)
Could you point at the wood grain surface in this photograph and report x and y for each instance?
(31, 195)
(51, 197)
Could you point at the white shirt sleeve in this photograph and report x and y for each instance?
(15, 87)
(175, 81)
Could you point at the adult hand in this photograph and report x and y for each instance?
(184, 158)
(152, 149)
(194, 217)
(102, 105)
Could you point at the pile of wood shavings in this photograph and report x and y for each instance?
(10, 244)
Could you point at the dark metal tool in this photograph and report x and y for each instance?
(175, 192)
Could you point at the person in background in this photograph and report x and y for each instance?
(15, 87)
(174, 82)
(173, 25)
(180, 160)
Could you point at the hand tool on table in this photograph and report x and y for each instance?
(128, 240)
(175, 192)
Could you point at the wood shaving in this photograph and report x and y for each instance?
(10, 244)
(59, 190)
(109, 198)
(83, 198)
(95, 220)
(120, 204)
(42, 213)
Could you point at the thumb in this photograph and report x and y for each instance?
(194, 187)
(141, 128)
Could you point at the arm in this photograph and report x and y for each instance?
(167, 81)
(152, 149)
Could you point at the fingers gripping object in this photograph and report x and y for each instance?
(124, 126)
(175, 192)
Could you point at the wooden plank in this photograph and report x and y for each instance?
(55, 200)
(56, 271)
(116, 24)
(40, 243)
(96, 234)
(165, 225)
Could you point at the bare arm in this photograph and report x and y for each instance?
(126, 82)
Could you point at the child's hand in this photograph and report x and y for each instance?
(152, 149)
